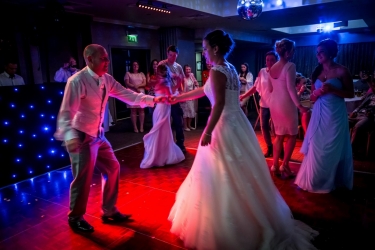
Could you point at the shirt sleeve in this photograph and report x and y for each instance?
(68, 109)
(21, 81)
(249, 80)
(128, 96)
(60, 75)
(291, 83)
(257, 80)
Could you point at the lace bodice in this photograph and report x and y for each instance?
(232, 88)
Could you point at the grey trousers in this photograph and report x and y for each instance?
(94, 152)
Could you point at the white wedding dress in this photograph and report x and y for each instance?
(160, 148)
(228, 200)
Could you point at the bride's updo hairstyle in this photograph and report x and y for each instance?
(222, 40)
(284, 45)
(330, 49)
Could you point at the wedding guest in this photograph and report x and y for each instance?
(151, 81)
(190, 83)
(246, 79)
(361, 84)
(261, 85)
(9, 76)
(136, 81)
(177, 74)
(328, 161)
(68, 69)
(206, 73)
(151, 78)
(79, 125)
(303, 93)
(283, 106)
(361, 120)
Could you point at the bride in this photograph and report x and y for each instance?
(160, 148)
(228, 200)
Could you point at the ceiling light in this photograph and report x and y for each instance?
(323, 27)
(152, 6)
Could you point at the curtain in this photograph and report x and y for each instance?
(354, 56)
(168, 36)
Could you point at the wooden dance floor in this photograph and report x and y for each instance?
(33, 213)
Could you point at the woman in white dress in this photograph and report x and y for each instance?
(283, 106)
(228, 200)
(190, 83)
(136, 81)
(160, 148)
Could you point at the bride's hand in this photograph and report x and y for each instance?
(172, 99)
(206, 139)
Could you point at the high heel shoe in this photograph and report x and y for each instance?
(286, 172)
(274, 170)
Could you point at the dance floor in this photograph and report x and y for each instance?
(33, 213)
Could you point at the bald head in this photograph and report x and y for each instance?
(96, 58)
(91, 50)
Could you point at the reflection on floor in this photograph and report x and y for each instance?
(33, 212)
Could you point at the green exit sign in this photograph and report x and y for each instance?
(132, 38)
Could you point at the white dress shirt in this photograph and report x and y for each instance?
(62, 75)
(85, 98)
(262, 84)
(5, 80)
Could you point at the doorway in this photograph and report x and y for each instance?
(121, 63)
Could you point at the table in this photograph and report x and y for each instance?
(352, 103)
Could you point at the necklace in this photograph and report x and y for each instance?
(326, 72)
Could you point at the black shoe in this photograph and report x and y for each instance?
(80, 225)
(183, 149)
(117, 217)
(269, 152)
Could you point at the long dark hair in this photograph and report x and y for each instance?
(152, 71)
(242, 74)
(331, 50)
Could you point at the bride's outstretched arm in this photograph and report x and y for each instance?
(218, 87)
(194, 94)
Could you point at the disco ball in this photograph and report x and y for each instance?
(249, 9)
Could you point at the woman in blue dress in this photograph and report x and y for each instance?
(328, 161)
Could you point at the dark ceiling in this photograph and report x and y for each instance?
(126, 12)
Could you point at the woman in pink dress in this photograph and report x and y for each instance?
(136, 81)
(283, 106)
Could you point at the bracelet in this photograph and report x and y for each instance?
(313, 93)
(207, 134)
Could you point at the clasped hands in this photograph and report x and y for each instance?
(173, 99)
